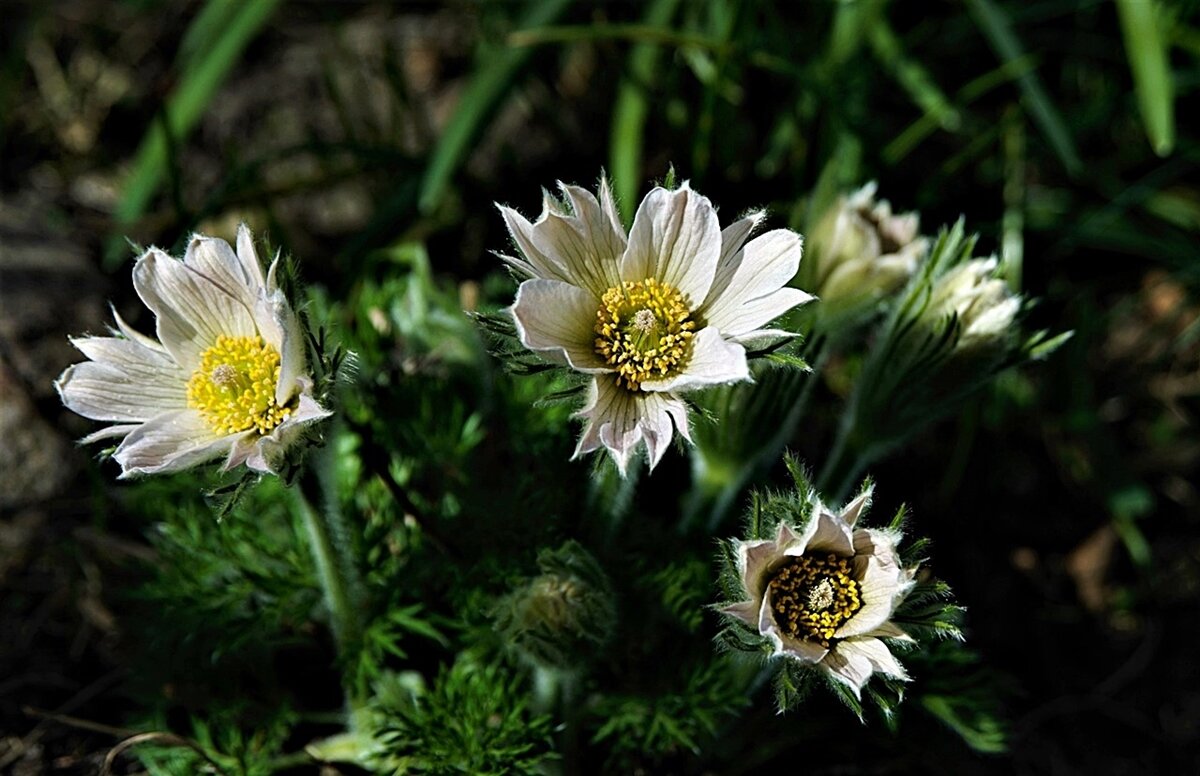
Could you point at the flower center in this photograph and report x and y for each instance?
(234, 388)
(813, 595)
(644, 330)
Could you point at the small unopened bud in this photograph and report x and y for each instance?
(560, 617)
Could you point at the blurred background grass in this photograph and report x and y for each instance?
(1063, 505)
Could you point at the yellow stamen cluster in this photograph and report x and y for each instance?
(813, 595)
(234, 388)
(644, 330)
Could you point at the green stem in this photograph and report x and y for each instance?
(329, 540)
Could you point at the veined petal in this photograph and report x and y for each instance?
(881, 581)
(751, 296)
(534, 263)
(714, 361)
(191, 309)
(170, 442)
(214, 259)
(852, 511)
(827, 533)
(618, 419)
(733, 237)
(558, 319)
(676, 239)
(744, 322)
(248, 257)
(854, 660)
(120, 392)
(757, 558)
(280, 328)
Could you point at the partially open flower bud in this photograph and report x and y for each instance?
(983, 304)
(861, 251)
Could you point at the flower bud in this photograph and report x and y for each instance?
(982, 303)
(861, 251)
(558, 618)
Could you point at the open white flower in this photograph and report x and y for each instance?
(226, 376)
(826, 596)
(983, 303)
(650, 315)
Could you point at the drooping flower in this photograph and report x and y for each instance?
(825, 595)
(983, 303)
(650, 315)
(860, 250)
(226, 376)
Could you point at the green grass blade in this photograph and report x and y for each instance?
(629, 113)
(482, 95)
(1142, 24)
(912, 77)
(183, 109)
(994, 24)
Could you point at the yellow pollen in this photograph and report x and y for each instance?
(814, 595)
(644, 330)
(234, 387)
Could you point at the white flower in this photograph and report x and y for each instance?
(226, 376)
(650, 315)
(862, 250)
(983, 303)
(826, 596)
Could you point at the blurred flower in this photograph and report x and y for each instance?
(559, 618)
(862, 251)
(226, 376)
(650, 315)
(982, 303)
(825, 596)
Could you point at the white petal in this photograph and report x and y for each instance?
(827, 533)
(881, 581)
(214, 259)
(248, 257)
(280, 328)
(170, 442)
(853, 661)
(713, 361)
(191, 309)
(756, 559)
(133, 334)
(768, 263)
(733, 237)
(108, 432)
(558, 319)
(852, 511)
(535, 263)
(676, 239)
(122, 392)
(609, 206)
(618, 419)
(890, 630)
(267, 452)
(746, 611)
